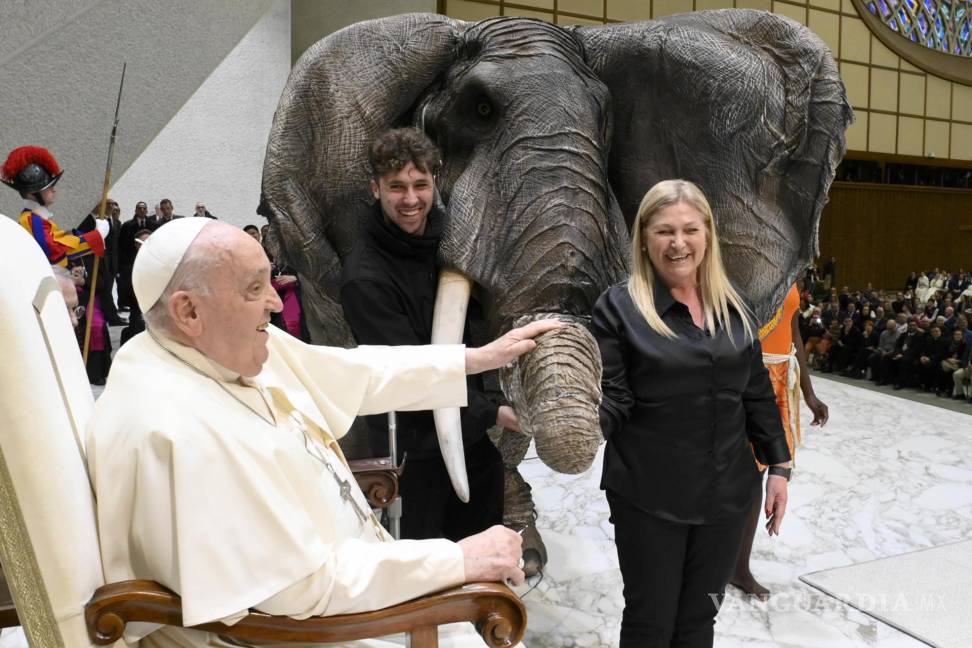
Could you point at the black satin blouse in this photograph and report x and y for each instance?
(679, 414)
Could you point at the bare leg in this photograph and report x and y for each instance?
(743, 578)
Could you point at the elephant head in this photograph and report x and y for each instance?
(550, 136)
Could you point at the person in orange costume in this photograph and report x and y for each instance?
(786, 361)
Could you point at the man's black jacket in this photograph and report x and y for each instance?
(388, 287)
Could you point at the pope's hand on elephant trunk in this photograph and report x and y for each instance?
(508, 347)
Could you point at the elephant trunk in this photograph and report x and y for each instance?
(448, 322)
(556, 392)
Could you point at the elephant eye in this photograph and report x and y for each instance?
(484, 109)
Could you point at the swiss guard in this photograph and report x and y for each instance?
(33, 172)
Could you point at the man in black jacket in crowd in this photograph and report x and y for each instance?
(900, 365)
(127, 249)
(388, 290)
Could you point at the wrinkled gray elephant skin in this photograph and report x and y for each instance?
(550, 137)
(556, 388)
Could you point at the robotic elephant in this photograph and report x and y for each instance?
(550, 138)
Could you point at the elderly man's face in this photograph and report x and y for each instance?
(70, 294)
(234, 318)
(141, 209)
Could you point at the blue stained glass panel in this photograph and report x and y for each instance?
(941, 25)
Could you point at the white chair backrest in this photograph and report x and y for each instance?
(49, 539)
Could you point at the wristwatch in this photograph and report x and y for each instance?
(781, 472)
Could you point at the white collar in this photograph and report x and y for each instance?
(38, 209)
(199, 360)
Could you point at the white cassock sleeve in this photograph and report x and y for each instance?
(353, 581)
(345, 383)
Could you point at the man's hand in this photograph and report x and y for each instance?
(820, 411)
(506, 417)
(493, 555)
(508, 347)
(775, 506)
(286, 280)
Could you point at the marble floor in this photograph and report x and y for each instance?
(885, 476)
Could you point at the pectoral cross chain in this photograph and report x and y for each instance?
(345, 489)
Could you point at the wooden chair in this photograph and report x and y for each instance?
(49, 541)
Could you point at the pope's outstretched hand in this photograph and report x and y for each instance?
(508, 347)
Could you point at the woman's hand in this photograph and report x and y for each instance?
(506, 417)
(775, 507)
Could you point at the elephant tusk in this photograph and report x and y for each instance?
(448, 323)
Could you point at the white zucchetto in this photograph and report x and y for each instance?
(160, 255)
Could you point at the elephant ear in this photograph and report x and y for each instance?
(343, 92)
(746, 104)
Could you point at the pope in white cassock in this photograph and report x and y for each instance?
(214, 458)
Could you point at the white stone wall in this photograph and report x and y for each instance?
(213, 148)
(60, 63)
(203, 81)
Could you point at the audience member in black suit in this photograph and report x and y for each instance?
(928, 364)
(126, 252)
(870, 335)
(831, 315)
(846, 348)
(897, 367)
(950, 363)
(165, 212)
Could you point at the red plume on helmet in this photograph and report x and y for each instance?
(30, 169)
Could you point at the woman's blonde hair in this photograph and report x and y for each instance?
(717, 292)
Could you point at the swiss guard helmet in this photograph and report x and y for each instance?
(30, 170)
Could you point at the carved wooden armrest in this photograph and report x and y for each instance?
(376, 479)
(498, 614)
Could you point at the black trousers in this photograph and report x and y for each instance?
(430, 507)
(674, 574)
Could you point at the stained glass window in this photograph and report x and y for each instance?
(942, 25)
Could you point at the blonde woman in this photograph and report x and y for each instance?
(685, 393)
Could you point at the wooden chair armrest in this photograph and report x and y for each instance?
(497, 612)
(377, 479)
